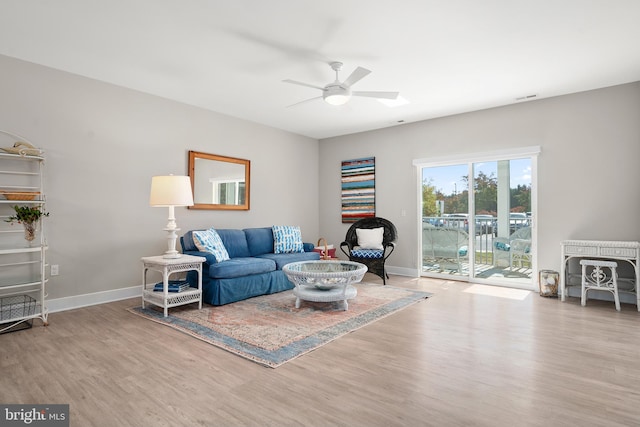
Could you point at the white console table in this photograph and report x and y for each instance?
(600, 249)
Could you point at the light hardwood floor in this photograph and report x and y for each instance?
(456, 359)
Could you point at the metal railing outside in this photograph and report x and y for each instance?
(486, 229)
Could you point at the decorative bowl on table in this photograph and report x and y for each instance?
(326, 283)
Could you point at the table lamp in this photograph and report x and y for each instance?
(170, 191)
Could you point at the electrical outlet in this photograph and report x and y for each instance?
(55, 269)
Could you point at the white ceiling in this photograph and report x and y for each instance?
(230, 56)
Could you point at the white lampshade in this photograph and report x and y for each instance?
(171, 190)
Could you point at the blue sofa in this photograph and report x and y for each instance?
(253, 269)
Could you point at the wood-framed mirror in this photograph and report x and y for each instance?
(219, 182)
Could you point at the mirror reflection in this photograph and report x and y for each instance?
(219, 182)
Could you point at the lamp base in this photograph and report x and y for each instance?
(171, 255)
(171, 243)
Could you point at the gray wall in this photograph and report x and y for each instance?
(103, 144)
(588, 169)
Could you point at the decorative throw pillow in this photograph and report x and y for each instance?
(210, 241)
(370, 238)
(287, 239)
(502, 246)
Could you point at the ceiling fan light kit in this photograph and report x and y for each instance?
(336, 95)
(339, 93)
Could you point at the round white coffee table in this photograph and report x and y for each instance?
(324, 281)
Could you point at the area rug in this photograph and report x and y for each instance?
(269, 329)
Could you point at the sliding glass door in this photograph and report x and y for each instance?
(479, 229)
(445, 220)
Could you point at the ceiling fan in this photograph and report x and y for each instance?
(339, 93)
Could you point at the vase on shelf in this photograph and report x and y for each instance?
(30, 229)
(28, 216)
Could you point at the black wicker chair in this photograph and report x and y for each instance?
(375, 265)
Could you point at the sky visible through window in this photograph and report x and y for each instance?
(448, 179)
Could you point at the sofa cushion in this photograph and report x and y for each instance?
(238, 267)
(287, 239)
(209, 241)
(259, 240)
(283, 259)
(235, 242)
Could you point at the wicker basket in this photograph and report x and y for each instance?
(20, 195)
(326, 252)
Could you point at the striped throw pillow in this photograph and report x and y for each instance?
(287, 239)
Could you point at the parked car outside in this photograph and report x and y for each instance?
(436, 221)
(433, 220)
(517, 220)
(457, 220)
(484, 224)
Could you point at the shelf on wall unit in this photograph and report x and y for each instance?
(19, 188)
(19, 173)
(19, 157)
(21, 202)
(23, 250)
(20, 289)
(15, 264)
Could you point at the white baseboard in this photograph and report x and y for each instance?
(403, 271)
(78, 301)
(86, 300)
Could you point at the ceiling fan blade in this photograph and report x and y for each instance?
(358, 74)
(302, 84)
(383, 95)
(304, 102)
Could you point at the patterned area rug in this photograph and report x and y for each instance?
(269, 329)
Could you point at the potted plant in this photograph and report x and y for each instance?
(28, 216)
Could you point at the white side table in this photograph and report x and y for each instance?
(168, 266)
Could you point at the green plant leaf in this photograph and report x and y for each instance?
(27, 214)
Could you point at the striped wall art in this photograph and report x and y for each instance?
(358, 189)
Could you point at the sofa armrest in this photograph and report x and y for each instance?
(308, 247)
(211, 259)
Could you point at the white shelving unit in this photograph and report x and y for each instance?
(22, 263)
